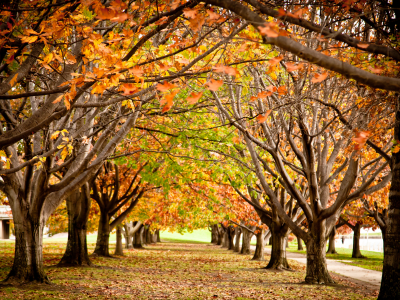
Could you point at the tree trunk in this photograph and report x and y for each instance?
(356, 242)
(118, 246)
(103, 236)
(149, 236)
(28, 257)
(247, 235)
(78, 206)
(138, 239)
(390, 287)
(214, 234)
(226, 239)
(331, 247)
(317, 271)
(158, 236)
(128, 236)
(221, 233)
(299, 243)
(238, 233)
(154, 238)
(231, 236)
(259, 253)
(278, 259)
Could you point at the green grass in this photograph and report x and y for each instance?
(197, 236)
(372, 260)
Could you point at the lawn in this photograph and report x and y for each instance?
(172, 271)
(372, 260)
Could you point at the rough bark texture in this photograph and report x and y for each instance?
(317, 271)
(226, 239)
(214, 234)
(138, 238)
(118, 246)
(103, 235)
(259, 253)
(221, 233)
(231, 237)
(331, 247)
(28, 258)
(238, 233)
(127, 234)
(247, 235)
(299, 243)
(390, 287)
(278, 259)
(356, 242)
(78, 205)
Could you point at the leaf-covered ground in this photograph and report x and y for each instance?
(173, 271)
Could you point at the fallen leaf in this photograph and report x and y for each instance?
(363, 45)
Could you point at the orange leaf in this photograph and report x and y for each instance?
(212, 16)
(363, 45)
(274, 61)
(319, 77)
(268, 31)
(194, 97)
(14, 79)
(292, 67)
(227, 70)
(263, 118)
(58, 99)
(375, 70)
(168, 99)
(214, 85)
(136, 71)
(360, 139)
(129, 88)
(165, 86)
(253, 98)
(190, 13)
(281, 12)
(282, 90)
(67, 104)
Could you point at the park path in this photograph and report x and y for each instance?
(368, 276)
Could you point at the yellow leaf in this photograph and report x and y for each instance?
(55, 135)
(14, 79)
(64, 153)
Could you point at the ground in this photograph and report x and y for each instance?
(173, 271)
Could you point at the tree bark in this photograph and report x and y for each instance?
(118, 246)
(214, 234)
(221, 232)
(149, 236)
(299, 243)
(317, 271)
(103, 236)
(226, 239)
(28, 257)
(138, 238)
(231, 236)
(238, 233)
(331, 247)
(259, 253)
(78, 206)
(278, 259)
(247, 235)
(356, 242)
(158, 236)
(128, 235)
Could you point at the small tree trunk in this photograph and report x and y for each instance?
(214, 234)
(238, 233)
(149, 237)
(138, 240)
(267, 237)
(128, 236)
(299, 243)
(118, 246)
(247, 235)
(154, 238)
(317, 272)
(221, 233)
(103, 236)
(226, 239)
(28, 257)
(278, 252)
(331, 247)
(231, 236)
(356, 242)
(158, 236)
(76, 252)
(259, 253)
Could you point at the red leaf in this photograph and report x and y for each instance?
(263, 118)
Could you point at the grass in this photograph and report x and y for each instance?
(172, 271)
(197, 236)
(371, 261)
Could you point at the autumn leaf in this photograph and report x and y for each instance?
(168, 99)
(375, 70)
(136, 71)
(263, 118)
(363, 45)
(360, 139)
(319, 77)
(66, 103)
(13, 80)
(162, 87)
(128, 89)
(194, 97)
(282, 90)
(58, 99)
(274, 61)
(214, 85)
(212, 16)
(190, 13)
(268, 31)
(226, 69)
(291, 67)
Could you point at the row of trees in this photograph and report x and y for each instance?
(291, 106)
